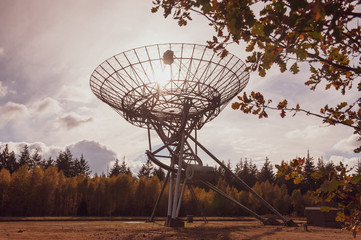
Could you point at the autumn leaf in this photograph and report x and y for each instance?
(283, 113)
(282, 104)
(325, 209)
(262, 72)
(355, 179)
(298, 180)
(318, 11)
(236, 105)
(294, 68)
(329, 186)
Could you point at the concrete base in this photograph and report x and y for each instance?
(315, 217)
(171, 222)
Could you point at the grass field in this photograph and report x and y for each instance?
(124, 228)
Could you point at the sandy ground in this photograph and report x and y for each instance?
(246, 229)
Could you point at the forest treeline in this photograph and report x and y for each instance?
(32, 186)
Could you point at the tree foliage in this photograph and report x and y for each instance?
(325, 34)
(119, 169)
(266, 172)
(146, 169)
(64, 162)
(339, 188)
(43, 191)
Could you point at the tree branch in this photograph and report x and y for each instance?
(326, 119)
(355, 70)
(356, 14)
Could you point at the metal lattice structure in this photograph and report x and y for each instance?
(143, 88)
(174, 89)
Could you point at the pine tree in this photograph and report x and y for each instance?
(358, 167)
(321, 168)
(24, 156)
(309, 168)
(115, 171)
(124, 168)
(35, 159)
(253, 172)
(159, 173)
(81, 167)
(266, 173)
(320, 164)
(330, 166)
(65, 163)
(219, 172)
(12, 165)
(8, 160)
(45, 164)
(146, 170)
(227, 176)
(247, 171)
(238, 168)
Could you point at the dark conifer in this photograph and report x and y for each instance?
(81, 167)
(116, 169)
(8, 160)
(35, 159)
(25, 156)
(158, 172)
(146, 170)
(309, 168)
(47, 163)
(124, 168)
(266, 173)
(358, 167)
(65, 163)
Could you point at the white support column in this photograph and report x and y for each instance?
(181, 196)
(170, 191)
(179, 172)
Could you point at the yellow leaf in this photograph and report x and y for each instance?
(325, 209)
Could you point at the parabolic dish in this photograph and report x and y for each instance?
(147, 85)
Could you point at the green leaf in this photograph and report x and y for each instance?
(298, 180)
(262, 72)
(325, 209)
(355, 179)
(330, 186)
(250, 46)
(316, 175)
(294, 68)
(302, 54)
(258, 29)
(340, 217)
(206, 8)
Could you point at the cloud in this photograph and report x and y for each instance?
(11, 111)
(46, 106)
(347, 144)
(44, 150)
(71, 121)
(3, 89)
(97, 155)
(310, 132)
(2, 51)
(350, 162)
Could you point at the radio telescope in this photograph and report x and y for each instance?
(174, 89)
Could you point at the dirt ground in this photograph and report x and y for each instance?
(111, 230)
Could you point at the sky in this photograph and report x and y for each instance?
(49, 49)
